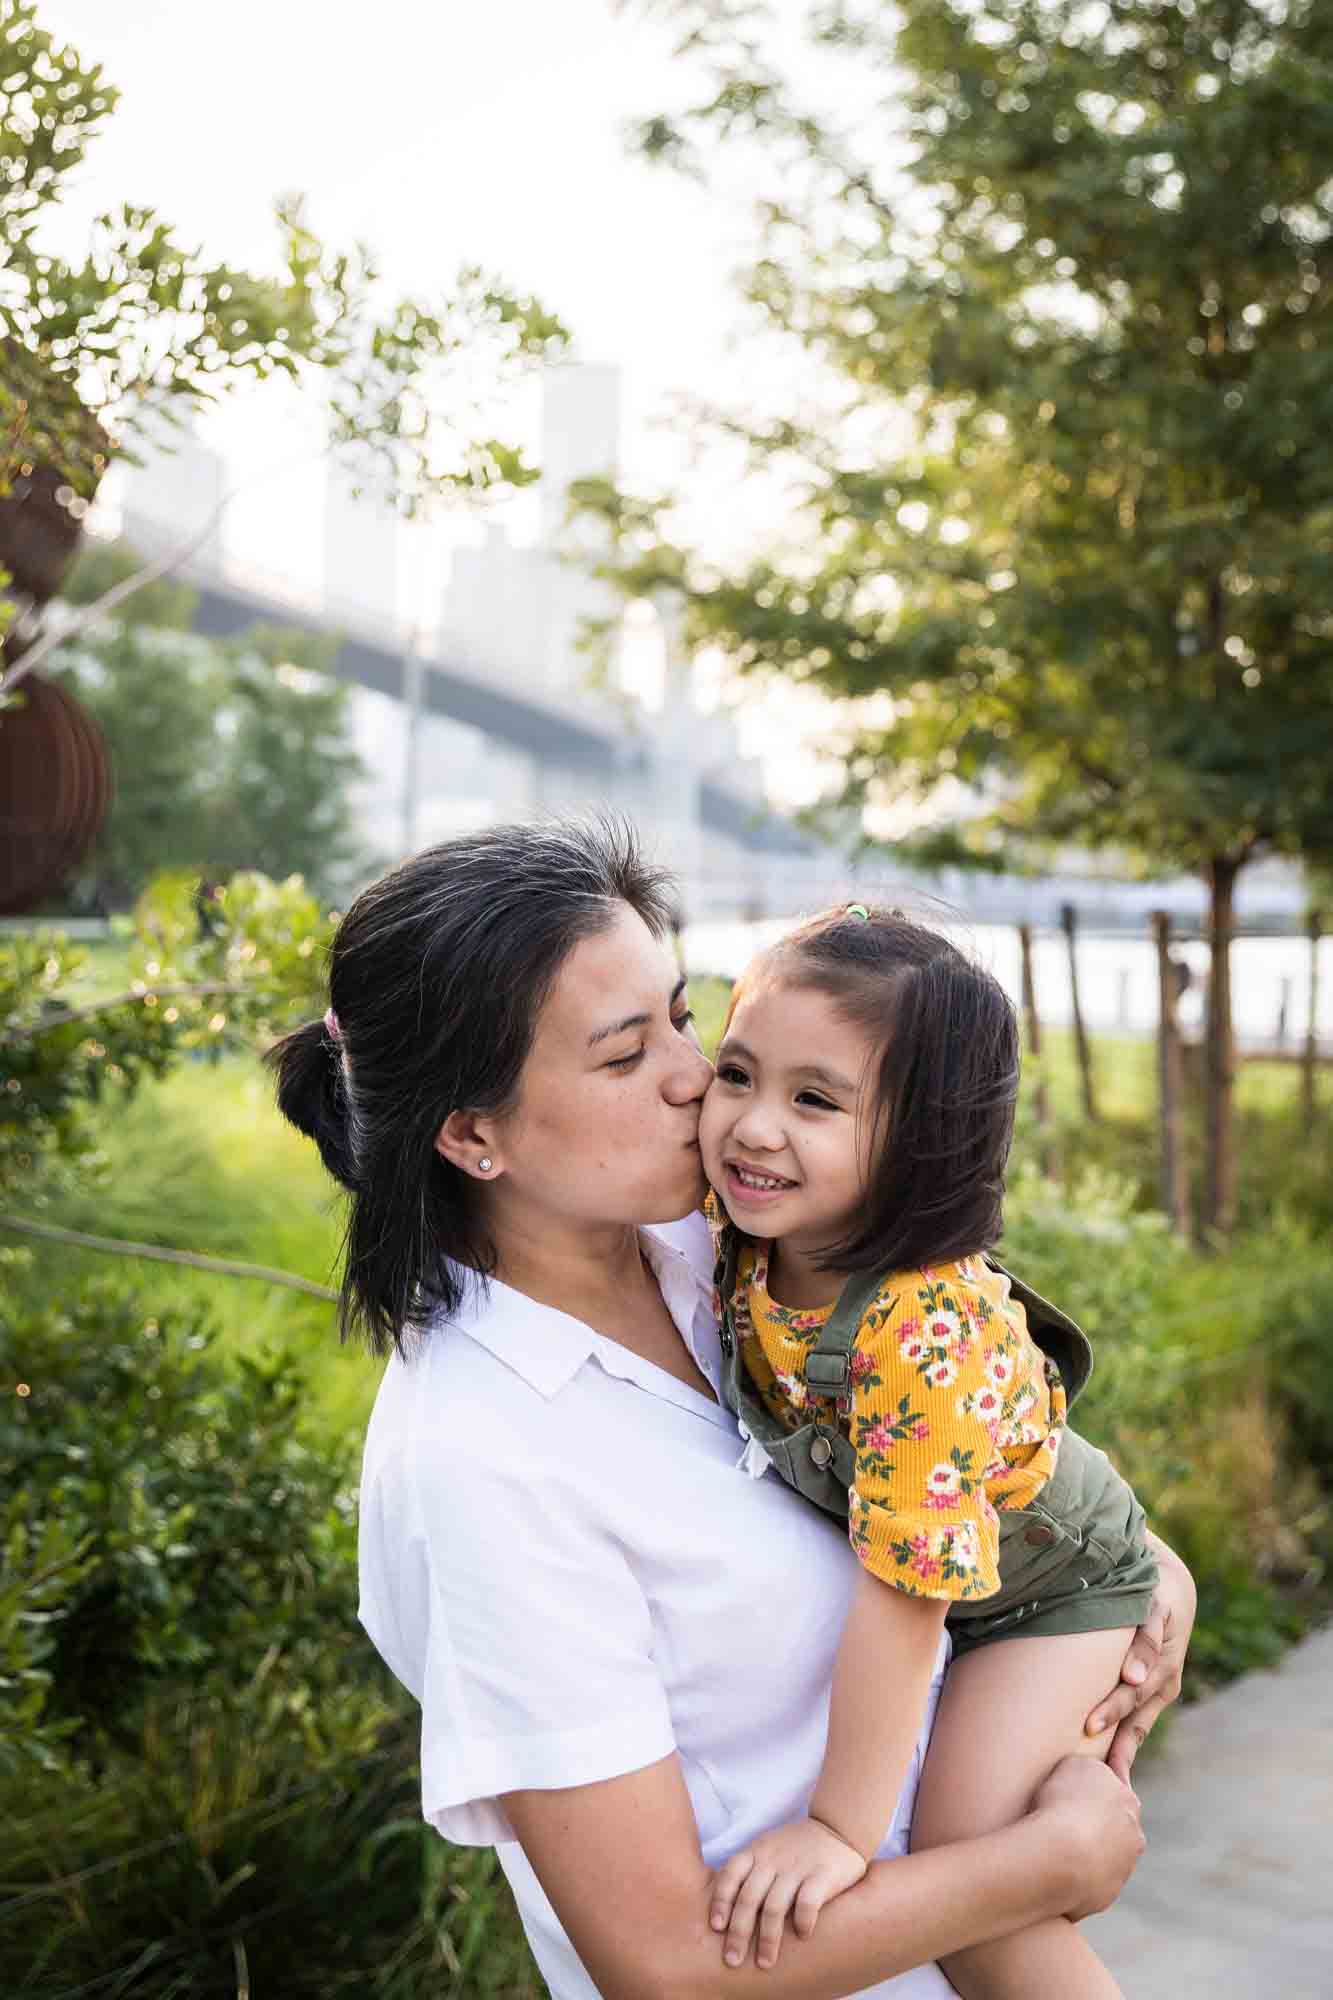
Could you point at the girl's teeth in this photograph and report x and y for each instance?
(764, 1181)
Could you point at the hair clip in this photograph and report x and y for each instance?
(857, 910)
(331, 1028)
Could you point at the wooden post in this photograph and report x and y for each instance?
(1219, 1059)
(1032, 1022)
(1314, 928)
(1170, 1081)
(1069, 925)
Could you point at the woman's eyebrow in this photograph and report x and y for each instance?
(634, 1020)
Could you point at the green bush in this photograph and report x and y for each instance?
(212, 1539)
(228, 1790)
(222, 1857)
(1182, 1398)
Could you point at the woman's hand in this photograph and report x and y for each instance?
(1150, 1675)
(1094, 1817)
(797, 1867)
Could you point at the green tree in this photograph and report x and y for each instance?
(145, 329)
(1084, 251)
(225, 754)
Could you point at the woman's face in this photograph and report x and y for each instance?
(606, 1127)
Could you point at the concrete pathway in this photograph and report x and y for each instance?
(1234, 1898)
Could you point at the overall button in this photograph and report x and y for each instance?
(725, 1341)
(1040, 1537)
(821, 1454)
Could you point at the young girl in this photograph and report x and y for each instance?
(856, 1136)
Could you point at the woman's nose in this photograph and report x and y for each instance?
(690, 1076)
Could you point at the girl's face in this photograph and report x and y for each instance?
(787, 1121)
(606, 1127)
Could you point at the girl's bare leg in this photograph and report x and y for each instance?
(1009, 1712)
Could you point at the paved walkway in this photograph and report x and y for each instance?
(1234, 1898)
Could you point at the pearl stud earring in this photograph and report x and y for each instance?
(484, 1164)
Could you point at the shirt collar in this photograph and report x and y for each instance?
(547, 1347)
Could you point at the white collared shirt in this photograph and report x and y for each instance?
(564, 1562)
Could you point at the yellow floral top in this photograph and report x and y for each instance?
(953, 1412)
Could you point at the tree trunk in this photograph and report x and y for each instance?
(1219, 1166)
(1170, 1081)
(1032, 1019)
(1314, 926)
(1069, 925)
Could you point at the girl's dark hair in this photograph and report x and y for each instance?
(437, 974)
(946, 1089)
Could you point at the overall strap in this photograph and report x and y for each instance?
(1054, 1332)
(828, 1366)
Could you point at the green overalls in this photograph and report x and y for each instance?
(1075, 1559)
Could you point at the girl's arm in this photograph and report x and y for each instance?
(875, 1720)
(873, 1729)
(874, 1724)
(620, 1862)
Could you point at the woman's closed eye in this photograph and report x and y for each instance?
(680, 1022)
(625, 1062)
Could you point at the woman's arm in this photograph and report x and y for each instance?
(620, 1862)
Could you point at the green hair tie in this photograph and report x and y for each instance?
(858, 910)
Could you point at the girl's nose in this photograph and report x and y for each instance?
(759, 1129)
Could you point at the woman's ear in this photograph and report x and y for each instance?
(468, 1142)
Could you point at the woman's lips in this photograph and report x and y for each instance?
(747, 1196)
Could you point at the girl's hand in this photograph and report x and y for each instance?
(798, 1867)
(1150, 1675)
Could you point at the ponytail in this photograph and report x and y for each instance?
(312, 1095)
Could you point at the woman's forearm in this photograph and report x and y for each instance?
(620, 1862)
(905, 1913)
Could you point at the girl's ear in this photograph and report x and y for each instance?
(469, 1142)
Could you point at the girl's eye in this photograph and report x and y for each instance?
(729, 1073)
(813, 1097)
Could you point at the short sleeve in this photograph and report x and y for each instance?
(516, 1621)
(919, 1514)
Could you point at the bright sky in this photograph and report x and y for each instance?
(439, 131)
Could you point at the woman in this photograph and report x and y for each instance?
(621, 1645)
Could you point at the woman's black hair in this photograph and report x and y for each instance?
(437, 975)
(946, 1088)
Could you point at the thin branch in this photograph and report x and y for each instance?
(111, 600)
(117, 1247)
(96, 1007)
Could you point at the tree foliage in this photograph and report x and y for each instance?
(145, 328)
(229, 970)
(1074, 287)
(226, 754)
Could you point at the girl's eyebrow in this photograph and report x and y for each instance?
(634, 1020)
(830, 1077)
